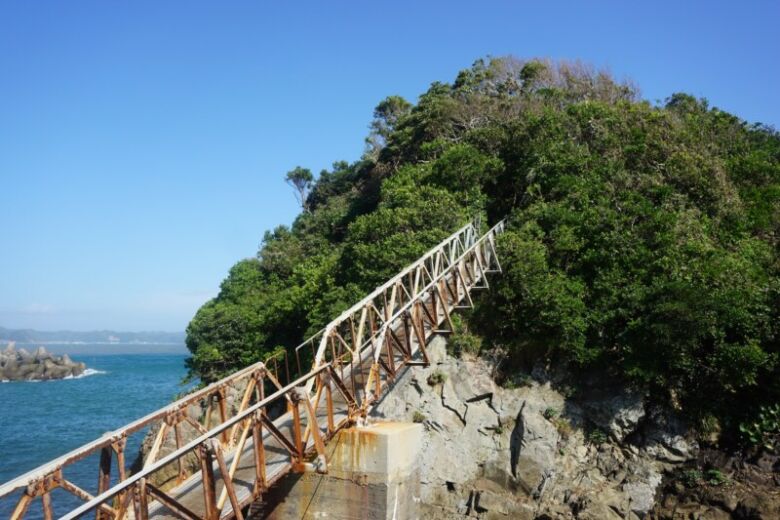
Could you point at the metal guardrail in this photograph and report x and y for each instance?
(359, 355)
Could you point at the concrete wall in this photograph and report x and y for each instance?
(373, 473)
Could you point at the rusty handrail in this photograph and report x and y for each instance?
(107, 438)
(131, 480)
(394, 324)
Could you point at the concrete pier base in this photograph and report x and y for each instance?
(373, 473)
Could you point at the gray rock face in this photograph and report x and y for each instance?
(618, 412)
(490, 452)
(20, 365)
(665, 438)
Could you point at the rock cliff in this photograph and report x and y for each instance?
(531, 453)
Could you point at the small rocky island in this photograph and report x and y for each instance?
(21, 365)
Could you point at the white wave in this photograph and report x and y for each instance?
(87, 372)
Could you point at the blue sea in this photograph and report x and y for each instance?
(42, 420)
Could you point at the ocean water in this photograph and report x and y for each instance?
(42, 420)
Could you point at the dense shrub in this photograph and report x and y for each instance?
(641, 239)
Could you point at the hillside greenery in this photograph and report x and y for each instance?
(642, 239)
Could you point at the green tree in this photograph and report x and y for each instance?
(301, 180)
(386, 116)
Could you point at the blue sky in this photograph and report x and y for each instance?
(143, 144)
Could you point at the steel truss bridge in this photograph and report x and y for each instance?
(282, 422)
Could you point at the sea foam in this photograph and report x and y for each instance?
(87, 372)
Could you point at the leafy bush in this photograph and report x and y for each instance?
(764, 430)
(715, 477)
(437, 378)
(550, 413)
(418, 416)
(465, 343)
(462, 341)
(597, 436)
(691, 478)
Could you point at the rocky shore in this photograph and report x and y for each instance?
(538, 452)
(21, 365)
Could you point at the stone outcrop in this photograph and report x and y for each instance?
(20, 365)
(491, 452)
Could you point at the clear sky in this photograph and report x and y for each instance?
(143, 144)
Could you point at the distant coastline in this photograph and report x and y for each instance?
(98, 337)
(5, 342)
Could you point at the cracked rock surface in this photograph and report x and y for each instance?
(491, 452)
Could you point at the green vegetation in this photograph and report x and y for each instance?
(564, 427)
(597, 436)
(517, 380)
(462, 341)
(641, 239)
(715, 477)
(691, 478)
(764, 430)
(418, 416)
(437, 378)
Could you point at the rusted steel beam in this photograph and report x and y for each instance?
(48, 512)
(104, 478)
(143, 500)
(329, 406)
(21, 506)
(195, 424)
(119, 448)
(73, 489)
(445, 307)
(209, 484)
(156, 446)
(244, 403)
(176, 507)
(319, 444)
(390, 362)
(341, 388)
(222, 400)
(259, 452)
(124, 503)
(236, 460)
(227, 481)
(279, 436)
(297, 433)
(180, 461)
(209, 411)
(401, 345)
(317, 398)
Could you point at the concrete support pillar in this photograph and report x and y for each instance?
(373, 473)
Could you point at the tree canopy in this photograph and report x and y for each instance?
(301, 180)
(642, 239)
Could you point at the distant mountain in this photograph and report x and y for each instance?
(97, 336)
